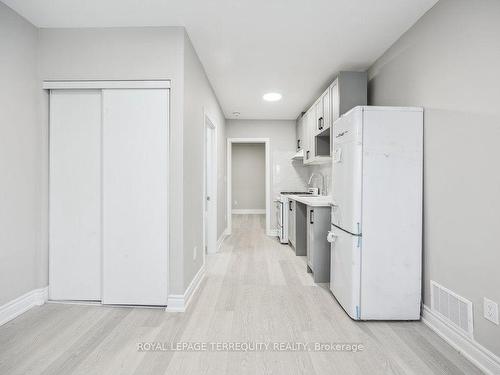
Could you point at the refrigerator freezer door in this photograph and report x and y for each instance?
(347, 172)
(345, 270)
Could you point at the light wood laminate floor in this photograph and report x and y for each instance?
(255, 290)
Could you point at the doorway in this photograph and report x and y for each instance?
(210, 189)
(231, 206)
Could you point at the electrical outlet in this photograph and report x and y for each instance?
(490, 310)
(195, 252)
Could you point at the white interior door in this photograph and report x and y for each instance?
(210, 229)
(75, 195)
(135, 206)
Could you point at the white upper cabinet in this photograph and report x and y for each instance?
(319, 115)
(300, 132)
(323, 107)
(334, 102)
(347, 91)
(308, 124)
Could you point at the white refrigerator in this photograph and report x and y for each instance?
(376, 231)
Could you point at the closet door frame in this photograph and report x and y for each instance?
(126, 84)
(100, 85)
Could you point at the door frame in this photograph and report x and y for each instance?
(210, 247)
(266, 143)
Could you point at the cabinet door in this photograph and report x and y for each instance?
(299, 129)
(325, 100)
(75, 195)
(307, 130)
(135, 204)
(291, 222)
(310, 237)
(320, 119)
(312, 134)
(334, 102)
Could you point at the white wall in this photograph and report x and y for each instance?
(20, 158)
(248, 173)
(448, 63)
(199, 98)
(285, 174)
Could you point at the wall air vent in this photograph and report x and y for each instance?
(454, 309)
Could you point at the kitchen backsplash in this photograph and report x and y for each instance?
(325, 170)
(288, 174)
(293, 175)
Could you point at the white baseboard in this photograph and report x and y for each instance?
(180, 302)
(257, 211)
(487, 361)
(272, 232)
(221, 239)
(14, 308)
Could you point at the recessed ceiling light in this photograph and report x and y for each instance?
(236, 114)
(272, 96)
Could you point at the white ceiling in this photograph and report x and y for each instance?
(250, 47)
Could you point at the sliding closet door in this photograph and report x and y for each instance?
(135, 187)
(75, 195)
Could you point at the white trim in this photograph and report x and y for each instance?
(98, 303)
(221, 239)
(69, 85)
(487, 361)
(180, 302)
(266, 142)
(249, 211)
(14, 308)
(272, 232)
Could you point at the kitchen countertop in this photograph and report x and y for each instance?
(313, 200)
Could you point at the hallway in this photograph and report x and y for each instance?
(255, 291)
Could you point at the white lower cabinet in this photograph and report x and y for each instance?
(109, 196)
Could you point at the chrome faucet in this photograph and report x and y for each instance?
(323, 189)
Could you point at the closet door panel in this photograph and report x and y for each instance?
(135, 187)
(75, 195)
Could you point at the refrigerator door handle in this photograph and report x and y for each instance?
(337, 157)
